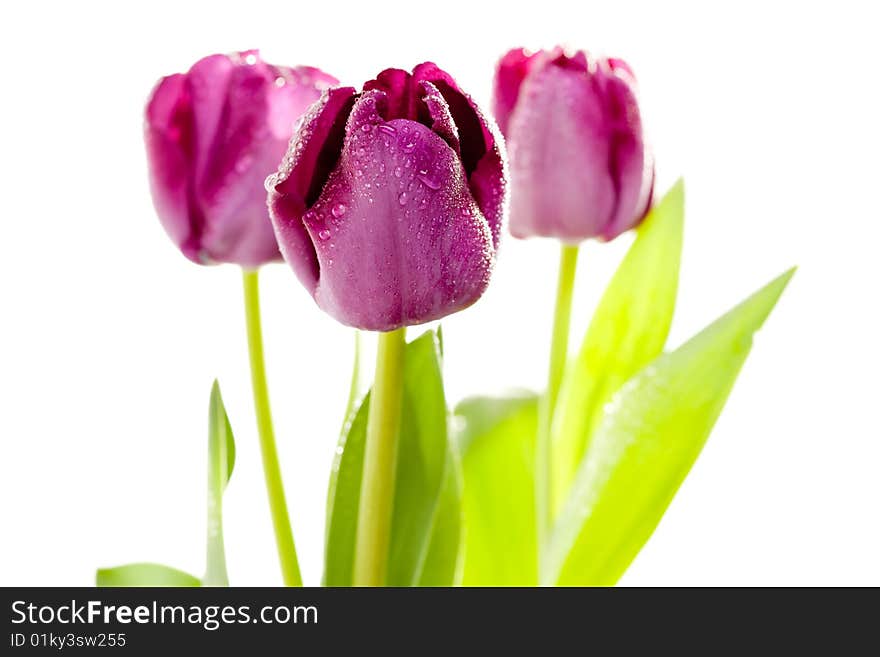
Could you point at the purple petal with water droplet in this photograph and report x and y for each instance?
(404, 253)
(312, 155)
(441, 118)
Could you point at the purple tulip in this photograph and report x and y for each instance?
(389, 204)
(213, 134)
(579, 165)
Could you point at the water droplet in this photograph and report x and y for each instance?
(250, 60)
(324, 234)
(409, 146)
(366, 127)
(310, 216)
(387, 129)
(398, 172)
(402, 198)
(428, 181)
(280, 81)
(338, 210)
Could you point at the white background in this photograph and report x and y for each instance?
(109, 338)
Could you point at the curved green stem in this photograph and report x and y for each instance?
(380, 462)
(271, 468)
(558, 355)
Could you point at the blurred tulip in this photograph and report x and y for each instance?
(579, 165)
(390, 202)
(213, 134)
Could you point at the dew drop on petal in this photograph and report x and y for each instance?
(324, 234)
(428, 181)
(402, 199)
(387, 129)
(338, 210)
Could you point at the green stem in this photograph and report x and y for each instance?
(271, 468)
(380, 462)
(558, 355)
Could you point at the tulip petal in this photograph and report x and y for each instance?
(312, 155)
(231, 182)
(558, 157)
(401, 95)
(509, 76)
(207, 84)
(489, 187)
(628, 165)
(573, 62)
(168, 133)
(399, 239)
(474, 131)
(441, 121)
(482, 150)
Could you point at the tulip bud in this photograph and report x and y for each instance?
(212, 136)
(389, 204)
(579, 165)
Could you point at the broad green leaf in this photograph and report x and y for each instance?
(650, 436)
(628, 330)
(144, 574)
(425, 532)
(221, 461)
(497, 443)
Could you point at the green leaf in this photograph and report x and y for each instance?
(425, 531)
(628, 330)
(144, 574)
(342, 500)
(497, 442)
(221, 461)
(353, 406)
(649, 438)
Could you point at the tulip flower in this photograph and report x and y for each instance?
(579, 169)
(579, 165)
(213, 134)
(389, 204)
(389, 207)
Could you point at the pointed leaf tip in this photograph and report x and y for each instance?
(647, 440)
